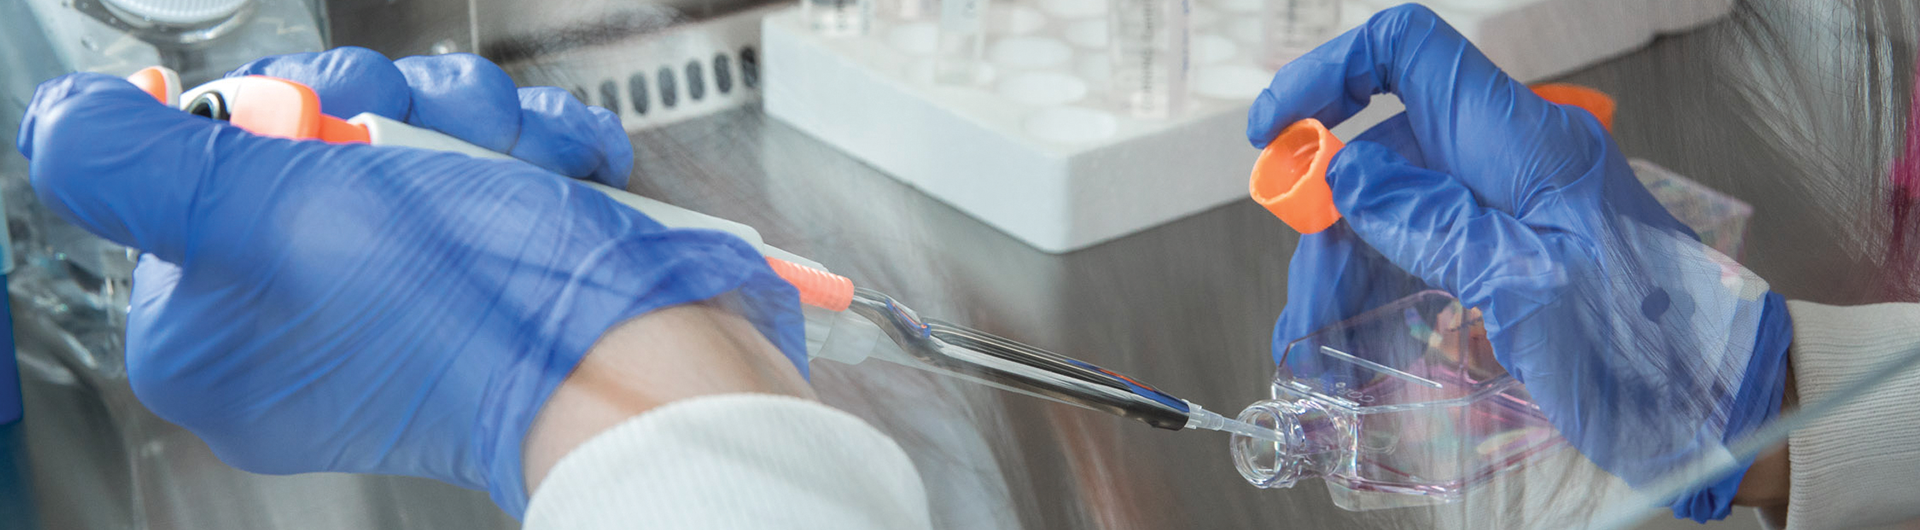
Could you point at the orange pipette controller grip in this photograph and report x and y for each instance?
(287, 109)
(267, 106)
(1290, 177)
(161, 83)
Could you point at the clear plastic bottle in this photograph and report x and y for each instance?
(1293, 27)
(1147, 50)
(1403, 405)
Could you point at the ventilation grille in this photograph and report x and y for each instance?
(684, 72)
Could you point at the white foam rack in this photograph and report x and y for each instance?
(1037, 151)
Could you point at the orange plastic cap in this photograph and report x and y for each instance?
(1290, 177)
(818, 288)
(1593, 101)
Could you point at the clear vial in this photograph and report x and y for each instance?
(1291, 28)
(963, 42)
(1148, 53)
(1401, 406)
(838, 18)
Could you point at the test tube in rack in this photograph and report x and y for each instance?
(1290, 28)
(838, 18)
(962, 43)
(910, 10)
(1148, 53)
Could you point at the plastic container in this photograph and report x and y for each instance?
(1403, 405)
(1719, 219)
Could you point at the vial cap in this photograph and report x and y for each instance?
(1290, 177)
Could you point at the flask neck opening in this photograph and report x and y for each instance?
(1312, 443)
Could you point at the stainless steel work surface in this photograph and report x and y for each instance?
(1793, 107)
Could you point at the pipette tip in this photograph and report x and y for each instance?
(1201, 418)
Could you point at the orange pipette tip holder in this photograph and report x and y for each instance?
(1290, 177)
(817, 288)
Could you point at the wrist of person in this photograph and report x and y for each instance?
(667, 355)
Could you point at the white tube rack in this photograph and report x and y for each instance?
(1038, 151)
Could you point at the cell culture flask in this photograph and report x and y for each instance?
(1400, 406)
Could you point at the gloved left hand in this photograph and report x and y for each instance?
(303, 306)
(1645, 349)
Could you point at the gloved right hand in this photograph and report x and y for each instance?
(1645, 349)
(308, 307)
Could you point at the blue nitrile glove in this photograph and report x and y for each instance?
(1645, 348)
(467, 97)
(311, 307)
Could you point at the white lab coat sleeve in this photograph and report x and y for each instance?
(1858, 467)
(734, 461)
